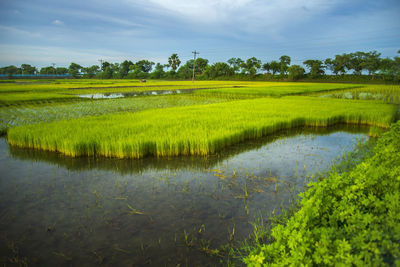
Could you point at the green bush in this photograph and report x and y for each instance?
(347, 219)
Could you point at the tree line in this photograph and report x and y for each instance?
(369, 64)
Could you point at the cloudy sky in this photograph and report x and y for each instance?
(41, 32)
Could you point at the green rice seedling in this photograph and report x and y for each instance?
(275, 89)
(31, 114)
(383, 93)
(194, 130)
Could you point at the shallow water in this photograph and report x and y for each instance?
(358, 95)
(134, 94)
(61, 211)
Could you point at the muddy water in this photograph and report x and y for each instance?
(59, 211)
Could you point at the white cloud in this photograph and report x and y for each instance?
(18, 32)
(248, 15)
(58, 22)
(45, 55)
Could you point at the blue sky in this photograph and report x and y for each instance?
(41, 32)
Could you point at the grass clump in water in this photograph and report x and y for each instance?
(193, 130)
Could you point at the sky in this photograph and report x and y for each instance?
(42, 32)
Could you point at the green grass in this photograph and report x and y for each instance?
(193, 130)
(348, 219)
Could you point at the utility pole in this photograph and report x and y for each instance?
(194, 62)
(101, 66)
(54, 64)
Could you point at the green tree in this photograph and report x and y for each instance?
(296, 72)
(371, 62)
(285, 62)
(275, 67)
(108, 72)
(251, 66)
(174, 62)
(10, 70)
(28, 69)
(184, 72)
(342, 63)
(356, 61)
(332, 65)
(61, 70)
(144, 65)
(47, 70)
(104, 65)
(158, 72)
(267, 67)
(316, 67)
(124, 68)
(219, 69)
(235, 64)
(201, 64)
(74, 69)
(91, 71)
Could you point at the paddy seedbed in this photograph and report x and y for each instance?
(194, 130)
(277, 89)
(34, 114)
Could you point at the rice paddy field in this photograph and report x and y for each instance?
(166, 173)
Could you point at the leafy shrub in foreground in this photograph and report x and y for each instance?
(347, 219)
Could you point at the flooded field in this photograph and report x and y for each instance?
(133, 94)
(62, 211)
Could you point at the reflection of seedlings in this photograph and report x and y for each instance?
(215, 170)
(117, 248)
(220, 176)
(97, 199)
(120, 198)
(134, 211)
(186, 188)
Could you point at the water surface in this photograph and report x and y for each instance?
(62, 211)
